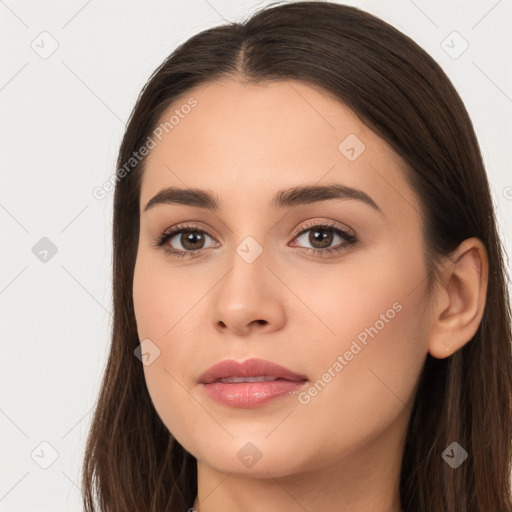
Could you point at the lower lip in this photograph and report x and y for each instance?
(246, 395)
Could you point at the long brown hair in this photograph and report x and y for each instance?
(132, 462)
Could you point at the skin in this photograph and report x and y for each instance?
(342, 450)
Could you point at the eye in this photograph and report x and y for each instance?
(183, 240)
(322, 236)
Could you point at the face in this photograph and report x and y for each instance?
(329, 285)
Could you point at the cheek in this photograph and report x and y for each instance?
(368, 366)
(162, 296)
(363, 296)
(169, 311)
(161, 303)
(165, 313)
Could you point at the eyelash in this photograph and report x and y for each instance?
(349, 239)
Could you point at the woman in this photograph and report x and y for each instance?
(306, 263)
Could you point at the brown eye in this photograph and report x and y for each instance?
(184, 241)
(189, 239)
(192, 240)
(320, 238)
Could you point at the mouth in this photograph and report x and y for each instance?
(252, 383)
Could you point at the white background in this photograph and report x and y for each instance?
(62, 121)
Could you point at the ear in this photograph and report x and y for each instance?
(459, 298)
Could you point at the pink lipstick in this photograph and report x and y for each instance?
(252, 383)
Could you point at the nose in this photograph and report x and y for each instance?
(248, 299)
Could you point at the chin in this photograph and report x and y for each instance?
(258, 458)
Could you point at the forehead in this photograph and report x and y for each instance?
(256, 138)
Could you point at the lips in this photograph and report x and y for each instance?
(251, 370)
(253, 383)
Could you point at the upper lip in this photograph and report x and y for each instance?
(249, 368)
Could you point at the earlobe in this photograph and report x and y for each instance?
(459, 300)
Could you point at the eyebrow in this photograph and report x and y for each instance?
(282, 199)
